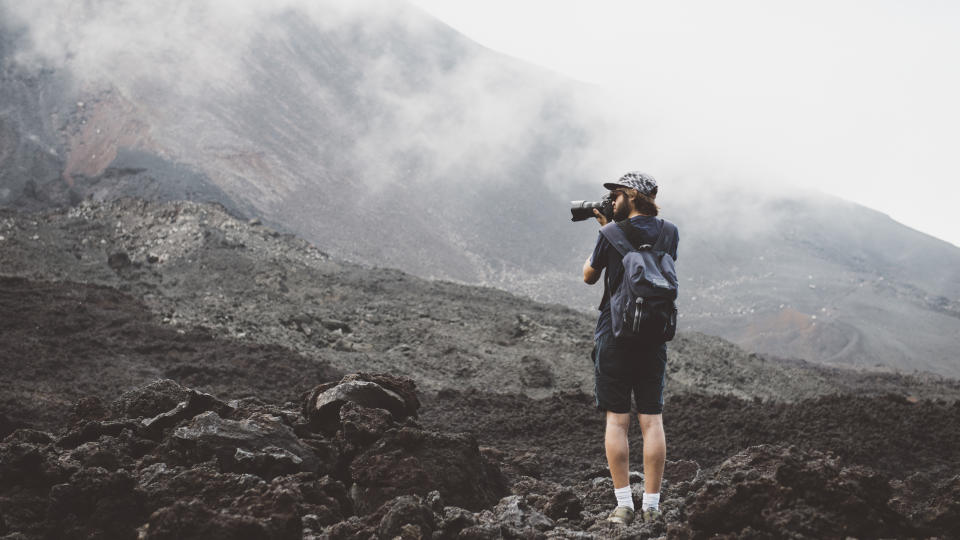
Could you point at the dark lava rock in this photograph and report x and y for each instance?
(564, 504)
(407, 517)
(189, 465)
(683, 470)
(455, 520)
(28, 459)
(414, 461)
(8, 426)
(261, 445)
(766, 490)
(89, 408)
(363, 426)
(516, 512)
(394, 394)
(193, 520)
(932, 500)
(535, 373)
(118, 261)
(150, 400)
(96, 503)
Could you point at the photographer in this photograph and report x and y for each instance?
(625, 366)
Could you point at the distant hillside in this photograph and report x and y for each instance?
(194, 266)
(108, 309)
(389, 139)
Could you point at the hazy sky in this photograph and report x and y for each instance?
(854, 98)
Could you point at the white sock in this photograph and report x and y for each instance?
(651, 500)
(624, 496)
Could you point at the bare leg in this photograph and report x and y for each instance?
(654, 450)
(618, 448)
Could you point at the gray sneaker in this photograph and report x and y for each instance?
(651, 514)
(621, 515)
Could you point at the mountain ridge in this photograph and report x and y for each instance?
(396, 142)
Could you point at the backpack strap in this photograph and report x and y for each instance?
(623, 236)
(667, 232)
(617, 236)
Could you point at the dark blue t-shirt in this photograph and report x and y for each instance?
(605, 256)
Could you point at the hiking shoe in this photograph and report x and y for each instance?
(621, 515)
(651, 514)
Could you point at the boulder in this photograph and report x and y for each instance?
(28, 459)
(150, 400)
(768, 489)
(514, 511)
(684, 470)
(96, 503)
(363, 426)
(407, 517)
(535, 372)
(564, 504)
(262, 445)
(194, 404)
(193, 520)
(323, 406)
(455, 520)
(410, 460)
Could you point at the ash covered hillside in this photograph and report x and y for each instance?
(390, 139)
(171, 370)
(194, 265)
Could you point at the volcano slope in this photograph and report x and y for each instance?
(169, 371)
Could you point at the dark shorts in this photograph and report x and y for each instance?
(625, 367)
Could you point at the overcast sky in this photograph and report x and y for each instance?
(854, 98)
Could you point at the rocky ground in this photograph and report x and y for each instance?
(169, 371)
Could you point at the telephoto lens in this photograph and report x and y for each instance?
(583, 210)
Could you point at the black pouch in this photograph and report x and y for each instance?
(653, 319)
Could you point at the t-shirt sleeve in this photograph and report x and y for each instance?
(599, 260)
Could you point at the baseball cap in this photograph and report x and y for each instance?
(642, 182)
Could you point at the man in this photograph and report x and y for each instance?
(625, 366)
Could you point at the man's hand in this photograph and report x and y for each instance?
(600, 217)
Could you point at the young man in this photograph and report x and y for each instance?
(625, 366)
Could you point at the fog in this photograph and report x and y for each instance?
(445, 108)
(852, 98)
(385, 137)
(440, 108)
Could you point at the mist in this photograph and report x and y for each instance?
(458, 113)
(852, 99)
(385, 137)
(447, 110)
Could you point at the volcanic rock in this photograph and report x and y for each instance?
(765, 490)
(221, 308)
(411, 460)
(261, 445)
(564, 504)
(195, 521)
(95, 503)
(407, 517)
(515, 511)
(535, 372)
(150, 400)
(393, 394)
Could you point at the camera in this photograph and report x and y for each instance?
(582, 210)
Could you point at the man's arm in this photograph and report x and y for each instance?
(590, 274)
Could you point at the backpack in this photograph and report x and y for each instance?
(642, 303)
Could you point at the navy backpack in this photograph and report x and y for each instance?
(642, 304)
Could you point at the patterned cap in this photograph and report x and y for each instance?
(644, 183)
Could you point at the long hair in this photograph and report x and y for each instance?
(642, 203)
